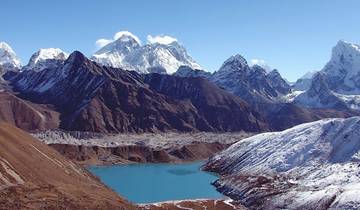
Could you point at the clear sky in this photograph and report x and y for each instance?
(293, 36)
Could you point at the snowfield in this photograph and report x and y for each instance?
(310, 166)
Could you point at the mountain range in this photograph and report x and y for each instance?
(182, 97)
(126, 52)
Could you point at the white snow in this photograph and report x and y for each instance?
(320, 158)
(161, 53)
(46, 58)
(291, 96)
(8, 57)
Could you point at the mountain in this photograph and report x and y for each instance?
(337, 84)
(319, 95)
(127, 53)
(46, 58)
(343, 69)
(304, 82)
(252, 84)
(8, 59)
(310, 166)
(26, 115)
(34, 176)
(267, 92)
(218, 107)
(186, 71)
(113, 100)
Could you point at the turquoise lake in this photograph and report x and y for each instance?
(148, 183)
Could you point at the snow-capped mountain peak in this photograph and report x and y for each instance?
(8, 58)
(162, 54)
(235, 62)
(347, 55)
(343, 69)
(46, 58)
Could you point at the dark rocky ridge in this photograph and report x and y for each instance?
(219, 107)
(94, 98)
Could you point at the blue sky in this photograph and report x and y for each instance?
(293, 36)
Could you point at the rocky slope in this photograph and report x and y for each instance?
(34, 176)
(310, 166)
(218, 107)
(112, 100)
(126, 52)
(26, 115)
(252, 84)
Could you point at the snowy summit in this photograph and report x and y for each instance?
(162, 54)
(8, 58)
(46, 58)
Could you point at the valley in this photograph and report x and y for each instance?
(142, 116)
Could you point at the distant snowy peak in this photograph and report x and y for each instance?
(253, 84)
(309, 75)
(304, 82)
(8, 58)
(234, 63)
(343, 69)
(319, 95)
(337, 85)
(185, 71)
(46, 58)
(162, 54)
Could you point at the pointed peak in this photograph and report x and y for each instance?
(235, 62)
(76, 55)
(345, 47)
(346, 43)
(8, 58)
(6, 46)
(126, 36)
(46, 59)
(50, 53)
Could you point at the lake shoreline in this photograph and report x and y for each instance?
(223, 202)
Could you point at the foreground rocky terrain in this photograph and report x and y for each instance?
(310, 166)
(34, 176)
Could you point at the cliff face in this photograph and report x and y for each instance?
(34, 176)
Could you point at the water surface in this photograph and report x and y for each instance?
(148, 183)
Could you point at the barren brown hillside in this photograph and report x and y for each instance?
(34, 176)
